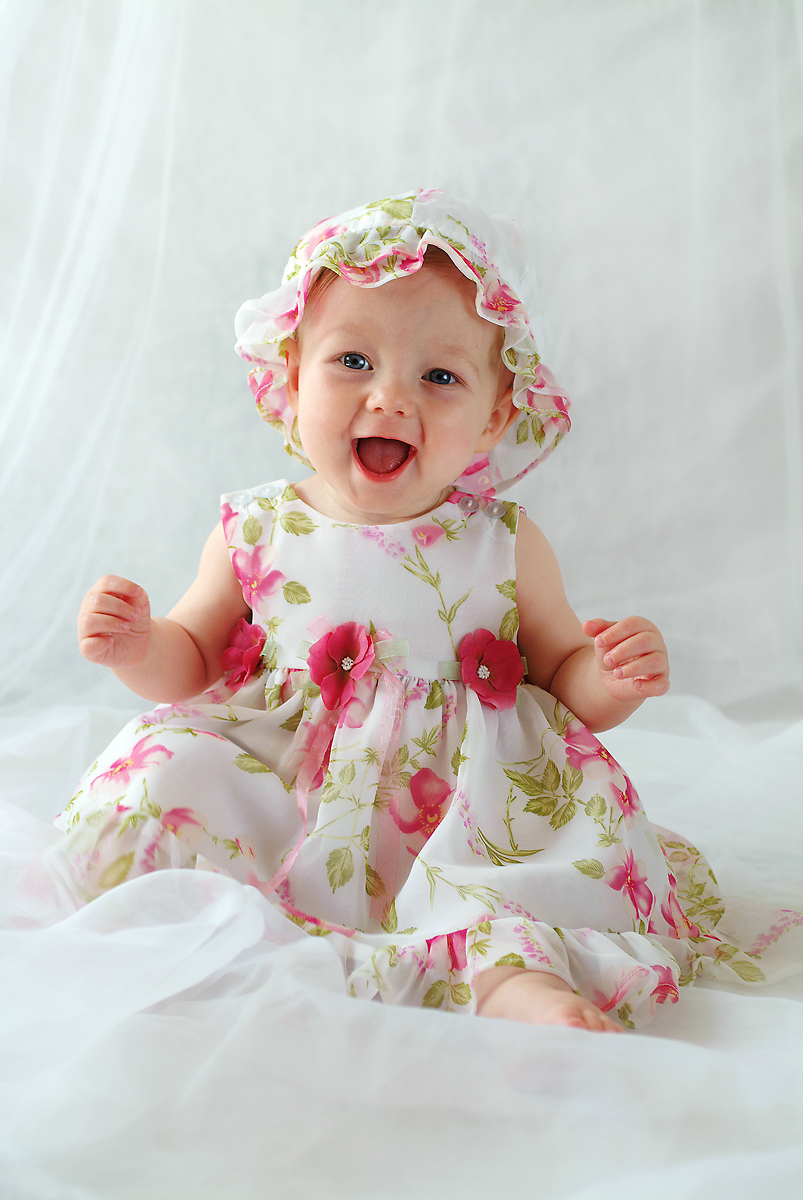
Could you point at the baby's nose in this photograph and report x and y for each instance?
(391, 397)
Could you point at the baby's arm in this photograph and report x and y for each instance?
(170, 658)
(601, 670)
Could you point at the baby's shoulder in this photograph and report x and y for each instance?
(539, 582)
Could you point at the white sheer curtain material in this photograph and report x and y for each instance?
(159, 159)
(80, 288)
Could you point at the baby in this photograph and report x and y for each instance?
(376, 703)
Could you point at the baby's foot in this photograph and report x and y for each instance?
(537, 999)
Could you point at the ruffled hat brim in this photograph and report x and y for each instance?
(385, 240)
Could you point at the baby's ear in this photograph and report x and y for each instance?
(293, 356)
(504, 412)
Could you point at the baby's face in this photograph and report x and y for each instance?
(395, 388)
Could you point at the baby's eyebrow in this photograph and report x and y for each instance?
(351, 329)
(457, 352)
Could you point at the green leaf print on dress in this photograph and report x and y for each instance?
(419, 567)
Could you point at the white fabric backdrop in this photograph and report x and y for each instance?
(158, 160)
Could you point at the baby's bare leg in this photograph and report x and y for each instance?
(536, 998)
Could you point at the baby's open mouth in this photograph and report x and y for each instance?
(382, 456)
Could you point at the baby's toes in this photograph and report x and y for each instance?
(599, 1021)
(588, 1016)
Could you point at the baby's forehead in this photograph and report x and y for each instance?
(438, 288)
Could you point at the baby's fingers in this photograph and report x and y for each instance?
(113, 619)
(113, 596)
(646, 643)
(96, 648)
(596, 626)
(646, 668)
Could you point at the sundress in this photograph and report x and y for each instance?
(374, 764)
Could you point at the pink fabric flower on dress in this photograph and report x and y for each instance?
(176, 817)
(426, 535)
(454, 944)
(634, 979)
(491, 667)
(674, 915)
(242, 658)
(626, 878)
(583, 748)
(338, 659)
(627, 800)
(141, 757)
(229, 521)
(667, 989)
(430, 795)
(257, 581)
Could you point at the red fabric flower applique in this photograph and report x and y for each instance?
(492, 667)
(242, 658)
(338, 659)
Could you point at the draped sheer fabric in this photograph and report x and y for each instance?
(158, 161)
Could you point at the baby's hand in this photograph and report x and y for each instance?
(631, 657)
(114, 623)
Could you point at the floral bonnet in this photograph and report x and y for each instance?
(386, 240)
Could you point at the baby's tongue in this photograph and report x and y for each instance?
(382, 455)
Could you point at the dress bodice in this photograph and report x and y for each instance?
(427, 582)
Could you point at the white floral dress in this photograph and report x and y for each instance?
(374, 764)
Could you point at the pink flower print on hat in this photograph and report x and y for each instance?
(492, 667)
(338, 659)
(500, 299)
(242, 659)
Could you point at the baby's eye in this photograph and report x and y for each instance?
(355, 361)
(440, 376)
